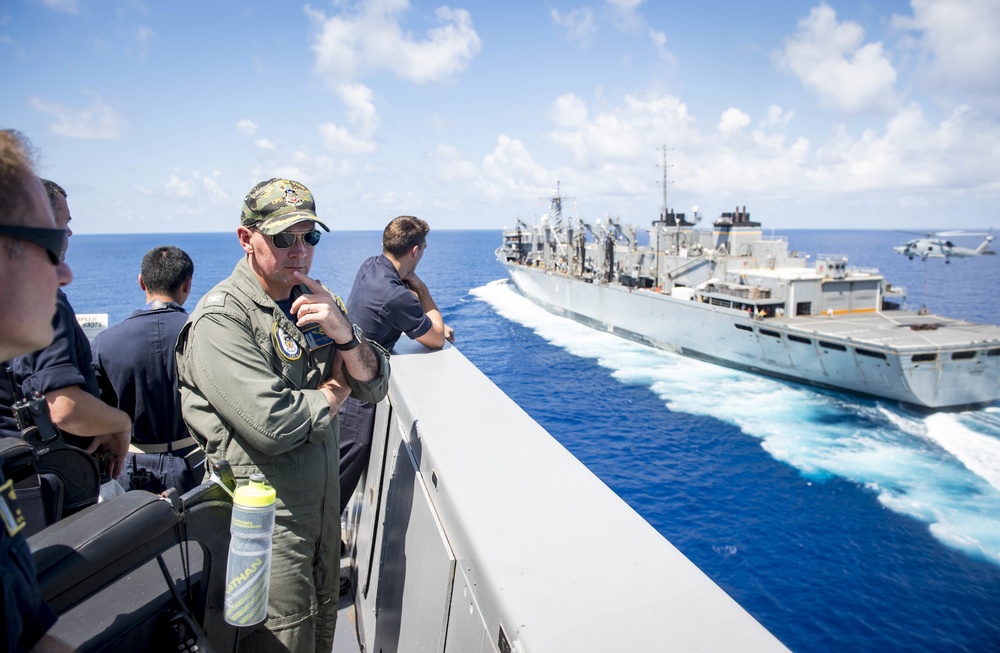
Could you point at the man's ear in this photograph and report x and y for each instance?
(244, 235)
(142, 284)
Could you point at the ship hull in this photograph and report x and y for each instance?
(880, 358)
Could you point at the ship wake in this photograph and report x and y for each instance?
(943, 469)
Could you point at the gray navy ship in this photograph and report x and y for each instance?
(732, 297)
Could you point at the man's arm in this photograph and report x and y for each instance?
(439, 331)
(222, 369)
(76, 411)
(319, 307)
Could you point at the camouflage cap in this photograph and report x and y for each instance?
(276, 204)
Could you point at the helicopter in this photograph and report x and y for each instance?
(937, 245)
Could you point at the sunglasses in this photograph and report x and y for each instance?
(53, 241)
(286, 239)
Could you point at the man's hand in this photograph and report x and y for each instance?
(449, 334)
(319, 307)
(116, 445)
(415, 284)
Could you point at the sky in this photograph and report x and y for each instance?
(854, 114)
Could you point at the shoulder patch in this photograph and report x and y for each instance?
(287, 346)
(215, 299)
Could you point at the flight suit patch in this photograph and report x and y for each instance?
(287, 346)
(316, 337)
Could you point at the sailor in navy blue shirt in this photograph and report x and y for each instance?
(66, 362)
(387, 300)
(137, 373)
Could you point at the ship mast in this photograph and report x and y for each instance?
(665, 167)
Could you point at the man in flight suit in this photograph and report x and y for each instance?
(264, 363)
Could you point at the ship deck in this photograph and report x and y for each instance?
(902, 330)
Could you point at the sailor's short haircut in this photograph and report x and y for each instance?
(51, 188)
(403, 234)
(166, 268)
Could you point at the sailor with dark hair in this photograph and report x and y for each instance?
(137, 373)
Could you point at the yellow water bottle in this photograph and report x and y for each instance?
(248, 571)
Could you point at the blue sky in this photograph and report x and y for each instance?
(159, 117)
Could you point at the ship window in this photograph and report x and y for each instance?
(803, 308)
(743, 327)
(832, 345)
(873, 354)
(923, 358)
(993, 352)
(962, 355)
(805, 341)
(767, 332)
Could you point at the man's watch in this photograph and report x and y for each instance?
(359, 338)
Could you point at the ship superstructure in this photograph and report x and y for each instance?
(730, 296)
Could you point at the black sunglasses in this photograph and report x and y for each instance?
(286, 239)
(53, 241)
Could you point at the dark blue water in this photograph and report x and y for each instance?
(841, 524)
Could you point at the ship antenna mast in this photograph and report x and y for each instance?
(556, 204)
(665, 167)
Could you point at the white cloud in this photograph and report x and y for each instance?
(247, 126)
(630, 130)
(625, 16)
(510, 169)
(957, 154)
(625, 5)
(830, 58)
(959, 41)
(451, 166)
(265, 144)
(776, 116)
(613, 154)
(578, 24)
(340, 139)
(370, 39)
(313, 170)
(732, 120)
(194, 185)
(97, 121)
(362, 118)
(66, 6)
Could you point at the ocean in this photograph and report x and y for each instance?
(840, 523)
